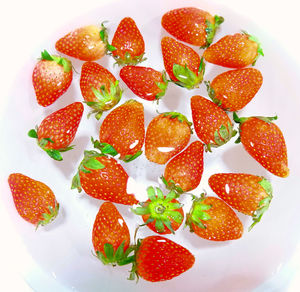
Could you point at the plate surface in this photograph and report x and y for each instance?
(62, 250)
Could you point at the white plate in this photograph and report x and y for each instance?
(61, 252)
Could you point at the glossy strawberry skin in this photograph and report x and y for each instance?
(144, 82)
(160, 259)
(234, 89)
(186, 169)
(33, 199)
(83, 43)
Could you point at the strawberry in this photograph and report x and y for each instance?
(123, 132)
(162, 214)
(57, 131)
(99, 88)
(34, 201)
(212, 124)
(83, 43)
(212, 219)
(103, 178)
(182, 63)
(166, 135)
(264, 141)
(183, 173)
(111, 236)
(249, 194)
(127, 46)
(234, 89)
(145, 82)
(51, 78)
(234, 51)
(159, 259)
(191, 25)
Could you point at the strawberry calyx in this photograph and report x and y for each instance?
(43, 143)
(211, 29)
(106, 99)
(160, 208)
(48, 217)
(172, 186)
(260, 51)
(186, 77)
(162, 86)
(67, 65)
(180, 117)
(212, 94)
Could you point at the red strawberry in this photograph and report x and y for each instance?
(83, 43)
(146, 83)
(212, 124)
(264, 141)
(111, 236)
(57, 131)
(103, 178)
(123, 131)
(99, 88)
(127, 46)
(234, 51)
(249, 194)
(160, 259)
(191, 25)
(182, 63)
(167, 134)
(34, 201)
(234, 89)
(183, 173)
(162, 214)
(51, 78)
(212, 219)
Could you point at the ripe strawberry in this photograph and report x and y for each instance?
(212, 219)
(123, 131)
(264, 141)
(160, 259)
(99, 88)
(34, 201)
(182, 63)
(57, 131)
(211, 123)
(191, 25)
(51, 78)
(146, 83)
(83, 43)
(162, 214)
(249, 194)
(166, 135)
(183, 173)
(127, 46)
(111, 236)
(234, 89)
(103, 178)
(234, 51)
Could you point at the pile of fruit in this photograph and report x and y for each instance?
(166, 139)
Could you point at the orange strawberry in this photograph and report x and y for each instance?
(99, 88)
(182, 63)
(57, 131)
(212, 219)
(183, 173)
(191, 25)
(166, 135)
(83, 43)
(34, 201)
(103, 178)
(211, 123)
(247, 193)
(234, 89)
(111, 236)
(144, 82)
(123, 131)
(264, 141)
(51, 78)
(234, 51)
(162, 214)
